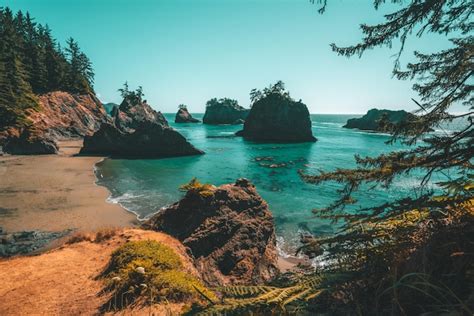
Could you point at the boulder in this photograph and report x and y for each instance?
(183, 116)
(228, 229)
(31, 142)
(224, 111)
(137, 131)
(278, 118)
(371, 120)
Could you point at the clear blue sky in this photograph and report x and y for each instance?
(188, 51)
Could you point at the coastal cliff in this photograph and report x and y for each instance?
(228, 229)
(224, 111)
(59, 115)
(137, 131)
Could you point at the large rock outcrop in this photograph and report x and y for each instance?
(228, 230)
(278, 118)
(58, 115)
(137, 131)
(224, 111)
(183, 116)
(371, 120)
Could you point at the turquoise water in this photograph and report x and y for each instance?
(144, 186)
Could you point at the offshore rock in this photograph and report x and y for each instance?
(276, 118)
(183, 116)
(224, 111)
(371, 120)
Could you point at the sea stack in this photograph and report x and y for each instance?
(374, 117)
(228, 230)
(276, 117)
(224, 111)
(137, 131)
(183, 116)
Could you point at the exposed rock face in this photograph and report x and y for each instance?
(276, 118)
(65, 115)
(229, 232)
(183, 116)
(370, 121)
(31, 143)
(137, 131)
(224, 111)
(59, 115)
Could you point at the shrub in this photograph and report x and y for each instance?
(148, 272)
(194, 186)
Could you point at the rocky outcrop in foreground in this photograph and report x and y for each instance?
(183, 116)
(278, 118)
(224, 111)
(137, 131)
(228, 230)
(371, 120)
(59, 115)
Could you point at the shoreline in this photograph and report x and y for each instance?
(56, 193)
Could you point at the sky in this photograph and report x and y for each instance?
(189, 51)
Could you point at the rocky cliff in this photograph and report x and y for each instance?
(371, 120)
(228, 230)
(137, 130)
(278, 118)
(224, 111)
(183, 116)
(59, 115)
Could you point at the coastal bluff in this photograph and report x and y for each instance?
(224, 111)
(228, 229)
(371, 121)
(137, 131)
(59, 115)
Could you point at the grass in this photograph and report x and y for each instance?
(147, 272)
(196, 187)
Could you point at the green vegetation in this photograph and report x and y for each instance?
(147, 272)
(133, 96)
(277, 89)
(196, 187)
(182, 107)
(222, 102)
(32, 62)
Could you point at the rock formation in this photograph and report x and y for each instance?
(371, 120)
(228, 230)
(278, 118)
(224, 111)
(183, 116)
(137, 131)
(59, 115)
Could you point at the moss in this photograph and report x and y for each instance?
(149, 272)
(194, 186)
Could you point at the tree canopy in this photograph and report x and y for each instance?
(32, 62)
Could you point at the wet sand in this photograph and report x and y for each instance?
(56, 192)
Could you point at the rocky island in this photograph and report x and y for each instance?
(276, 117)
(137, 131)
(224, 111)
(371, 121)
(183, 116)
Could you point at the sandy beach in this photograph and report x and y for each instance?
(56, 192)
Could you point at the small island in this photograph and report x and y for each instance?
(183, 115)
(137, 131)
(276, 117)
(374, 117)
(224, 111)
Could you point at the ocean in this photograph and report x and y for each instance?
(145, 186)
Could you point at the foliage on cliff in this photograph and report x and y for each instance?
(32, 62)
(277, 89)
(146, 272)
